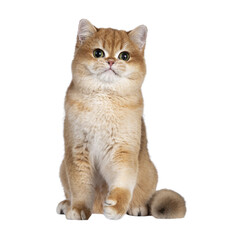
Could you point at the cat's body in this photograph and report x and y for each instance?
(106, 168)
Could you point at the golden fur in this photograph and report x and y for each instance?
(106, 168)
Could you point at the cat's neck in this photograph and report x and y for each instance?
(78, 91)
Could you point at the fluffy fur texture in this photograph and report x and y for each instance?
(106, 168)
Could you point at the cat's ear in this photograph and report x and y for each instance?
(139, 36)
(85, 30)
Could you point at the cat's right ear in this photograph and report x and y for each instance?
(138, 36)
(85, 30)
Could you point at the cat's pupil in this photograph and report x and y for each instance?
(124, 56)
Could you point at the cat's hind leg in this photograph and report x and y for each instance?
(146, 180)
(65, 204)
(145, 187)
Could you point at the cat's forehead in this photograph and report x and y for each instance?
(112, 40)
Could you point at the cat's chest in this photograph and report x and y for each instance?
(94, 119)
(101, 115)
(101, 122)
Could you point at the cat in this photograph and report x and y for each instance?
(106, 167)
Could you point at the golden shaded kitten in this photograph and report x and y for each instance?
(106, 168)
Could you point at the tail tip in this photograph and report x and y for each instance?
(166, 203)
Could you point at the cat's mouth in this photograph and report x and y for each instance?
(110, 70)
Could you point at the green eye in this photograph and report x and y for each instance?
(124, 56)
(97, 53)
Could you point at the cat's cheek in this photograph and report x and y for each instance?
(91, 67)
(130, 69)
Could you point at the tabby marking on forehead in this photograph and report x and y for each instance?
(112, 40)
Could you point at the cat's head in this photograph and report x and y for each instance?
(109, 59)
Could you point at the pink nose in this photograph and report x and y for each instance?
(110, 62)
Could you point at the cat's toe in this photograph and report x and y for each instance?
(63, 206)
(116, 204)
(110, 202)
(138, 211)
(78, 214)
(111, 213)
(73, 214)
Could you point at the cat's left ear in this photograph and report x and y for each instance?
(139, 36)
(85, 30)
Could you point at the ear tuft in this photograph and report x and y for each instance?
(85, 30)
(139, 36)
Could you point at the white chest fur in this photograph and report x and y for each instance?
(102, 122)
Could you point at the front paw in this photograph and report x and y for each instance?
(116, 204)
(78, 213)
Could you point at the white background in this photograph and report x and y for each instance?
(192, 112)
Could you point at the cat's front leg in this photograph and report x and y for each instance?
(120, 174)
(80, 176)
